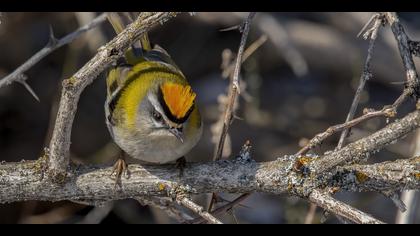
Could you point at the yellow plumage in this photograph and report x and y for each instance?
(138, 81)
(150, 109)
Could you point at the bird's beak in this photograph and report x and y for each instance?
(177, 133)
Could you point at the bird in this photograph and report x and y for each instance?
(150, 110)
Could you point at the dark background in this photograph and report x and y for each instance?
(280, 107)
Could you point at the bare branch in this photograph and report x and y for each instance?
(404, 48)
(366, 75)
(52, 45)
(234, 87)
(73, 87)
(386, 111)
(222, 209)
(362, 148)
(330, 204)
(198, 209)
(380, 177)
(233, 92)
(26, 180)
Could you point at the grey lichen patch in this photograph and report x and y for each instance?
(300, 182)
(178, 191)
(301, 164)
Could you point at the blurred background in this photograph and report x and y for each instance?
(300, 81)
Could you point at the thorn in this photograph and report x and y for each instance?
(367, 25)
(52, 40)
(21, 80)
(235, 117)
(235, 27)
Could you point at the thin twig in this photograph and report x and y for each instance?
(222, 209)
(233, 92)
(278, 35)
(387, 111)
(366, 75)
(51, 46)
(360, 150)
(198, 209)
(405, 52)
(234, 87)
(339, 208)
(412, 86)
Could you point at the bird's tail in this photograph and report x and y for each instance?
(119, 21)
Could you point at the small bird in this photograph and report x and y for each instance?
(150, 108)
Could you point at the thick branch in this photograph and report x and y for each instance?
(25, 180)
(381, 177)
(73, 87)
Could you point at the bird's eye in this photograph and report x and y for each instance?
(157, 116)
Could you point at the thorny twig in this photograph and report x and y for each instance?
(222, 209)
(387, 111)
(366, 74)
(412, 86)
(234, 91)
(234, 87)
(51, 46)
(25, 180)
(371, 33)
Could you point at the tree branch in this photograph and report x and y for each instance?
(405, 52)
(234, 90)
(332, 205)
(73, 87)
(394, 176)
(362, 148)
(26, 180)
(366, 74)
(52, 45)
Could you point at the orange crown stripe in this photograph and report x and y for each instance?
(178, 98)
